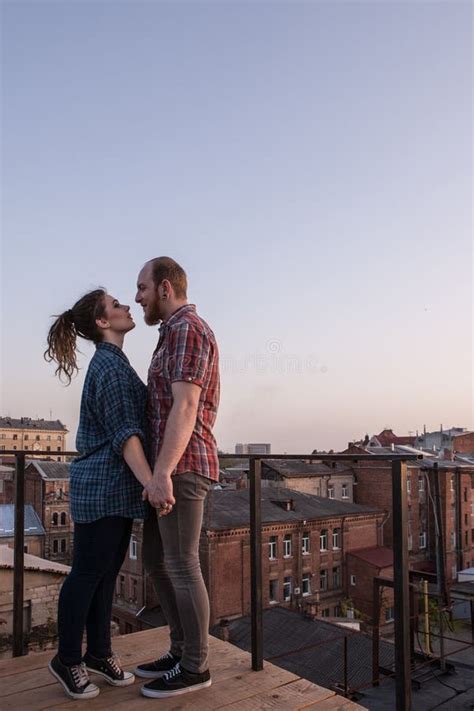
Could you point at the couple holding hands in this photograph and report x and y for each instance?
(145, 452)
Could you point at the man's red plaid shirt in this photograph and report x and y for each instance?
(187, 351)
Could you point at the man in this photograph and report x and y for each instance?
(183, 396)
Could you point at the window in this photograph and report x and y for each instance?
(59, 438)
(63, 545)
(134, 588)
(2, 446)
(421, 483)
(331, 494)
(336, 538)
(121, 585)
(37, 438)
(454, 571)
(133, 548)
(58, 449)
(306, 584)
(272, 548)
(345, 495)
(336, 577)
(452, 483)
(26, 437)
(48, 438)
(337, 611)
(325, 612)
(466, 520)
(287, 546)
(55, 546)
(287, 588)
(54, 519)
(389, 614)
(15, 436)
(63, 518)
(14, 446)
(422, 539)
(410, 542)
(323, 580)
(323, 540)
(408, 485)
(25, 549)
(465, 495)
(305, 543)
(273, 591)
(353, 579)
(26, 446)
(48, 448)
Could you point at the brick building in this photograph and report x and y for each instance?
(131, 593)
(362, 567)
(331, 479)
(33, 435)
(47, 489)
(306, 541)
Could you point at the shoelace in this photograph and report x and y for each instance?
(80, 675)
(114, 662)
(172, 673)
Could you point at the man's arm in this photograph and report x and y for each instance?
(178, 431)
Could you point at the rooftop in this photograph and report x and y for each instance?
(51, 470)
(31, 562)
(26, 423)
(27, 684)
(231, 508)
(291, 468)
(33, 525)
(377, 556)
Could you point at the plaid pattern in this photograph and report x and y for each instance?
(113, 408)
(187, 350)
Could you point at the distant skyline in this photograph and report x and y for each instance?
(309, 165)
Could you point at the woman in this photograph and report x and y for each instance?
(106, 485)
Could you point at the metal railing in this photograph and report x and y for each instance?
(400, 552)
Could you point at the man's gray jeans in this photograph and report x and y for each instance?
(171, 558)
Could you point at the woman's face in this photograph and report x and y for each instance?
(118, 315)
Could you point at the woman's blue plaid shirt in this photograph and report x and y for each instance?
(112, 410)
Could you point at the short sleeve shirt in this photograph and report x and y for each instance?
(187, 351)
(113, 408)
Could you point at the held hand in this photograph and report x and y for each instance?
(159, 492)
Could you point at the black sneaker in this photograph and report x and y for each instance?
(176, 682)
(157, 669)
(110, 669)
(74, 680)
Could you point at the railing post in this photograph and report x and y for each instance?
(401, 586)
(18, 557)
(375, 633)
(256, 596)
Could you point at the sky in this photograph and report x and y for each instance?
(308, 163)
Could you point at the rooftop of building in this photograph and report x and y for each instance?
(289, 468)
(378, 556)
(27, 423)
(231, 509)
(50, 470)
(31, 562)
(33, 525)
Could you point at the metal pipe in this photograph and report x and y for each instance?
(426, 618)
(401, 586)
(18, 557)
(256, 563)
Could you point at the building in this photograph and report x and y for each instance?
(331, 479)
(47, 490)
(258, 448)
(7, 493)
(34, 531)
(130, 589)
(363, 566)
(305, 544)
(42, 583)
(386, 438)
(456, 493)
(33, 436)
(455, 439)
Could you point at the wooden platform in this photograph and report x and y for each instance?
(26, 684)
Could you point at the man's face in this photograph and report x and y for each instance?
(148, 297)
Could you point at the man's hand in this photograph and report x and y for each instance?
(159, 492)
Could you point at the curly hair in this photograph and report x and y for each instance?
(78, 321)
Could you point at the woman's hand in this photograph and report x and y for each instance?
(159, 493)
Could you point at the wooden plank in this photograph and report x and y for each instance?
(300, 694)
(336, 703)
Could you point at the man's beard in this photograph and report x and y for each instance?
(153, 315)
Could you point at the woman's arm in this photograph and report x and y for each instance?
(135, 457)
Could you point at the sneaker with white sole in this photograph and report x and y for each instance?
(158, 668)
(109, 668)
(74, 679)
(176, 682)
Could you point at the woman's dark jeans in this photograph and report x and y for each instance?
(86, 596)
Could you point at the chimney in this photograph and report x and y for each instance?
(424, 429)
(392, 447)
